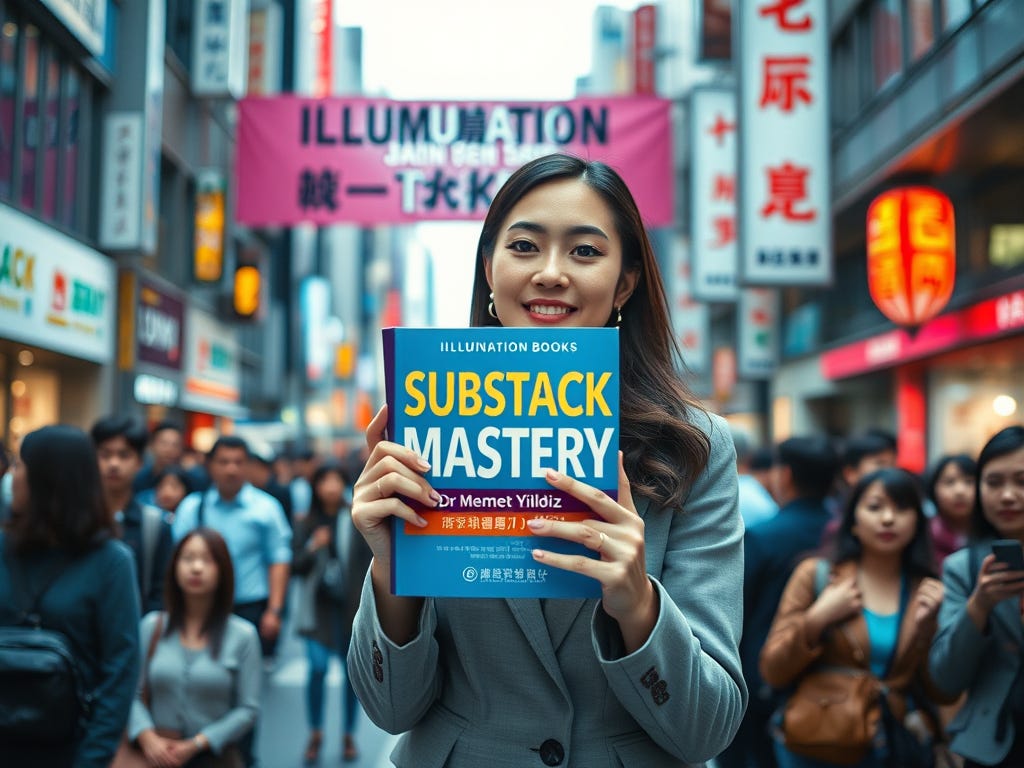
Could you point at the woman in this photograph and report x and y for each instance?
(201, 683)
(59, 551)
(325, 547)
(647, 675)
(173, 484)
(977, 647)
(951, 489)
(877, 611)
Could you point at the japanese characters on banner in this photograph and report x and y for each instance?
(690, 318)
(785, 219)
(376, 161)
(713, 197)
(757, 327)
(219, 48)
(121, 218)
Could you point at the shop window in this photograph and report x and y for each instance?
(178, 30)
(8, 93)
(845, 77)
(886, 42)
(48, 132)
(70, 213)
(30, 114)
(954, 12)
(921, 26)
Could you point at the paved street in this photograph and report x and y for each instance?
(282, 735)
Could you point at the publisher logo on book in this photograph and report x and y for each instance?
(470, 574)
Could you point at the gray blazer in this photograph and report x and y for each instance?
(195, 693)
(498, 683)
(984, 664)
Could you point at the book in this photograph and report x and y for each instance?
(491, 409)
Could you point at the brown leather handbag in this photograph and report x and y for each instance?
(833, 715)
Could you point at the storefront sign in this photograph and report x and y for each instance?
(374, 161)
(219, 48)
(55, 292)
(713, 194)
(212, 372)
(784, 208)
(690, 318)
(757, 329)
(983, 321)
(121, 217)
(208, 255)
(265, 40)
(159, 321)
(86, 19)
(154, 390)
(321, 29)
(911, 253)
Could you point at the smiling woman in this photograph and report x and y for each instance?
(563, 244)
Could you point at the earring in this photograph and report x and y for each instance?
(490, 307)
(618, 319)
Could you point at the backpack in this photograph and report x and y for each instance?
(152, 523)
(42, 691)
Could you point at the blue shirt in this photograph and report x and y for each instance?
(883, 630)
(755, 503)
(255, 529)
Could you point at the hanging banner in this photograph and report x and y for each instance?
(376, 161)
(757, 327)
(713, 195)
(784, 204)
(690, 319)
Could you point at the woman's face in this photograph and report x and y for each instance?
(1002, 494)
(197, 572)
(331, 490)
(954, 494)
(169, 492)
(558, 260)
(880, 525)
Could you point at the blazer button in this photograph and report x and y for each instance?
(552, 753)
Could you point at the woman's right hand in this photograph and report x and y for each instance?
(838, 601)
(390, 470)
(157, 749)
(995, 583)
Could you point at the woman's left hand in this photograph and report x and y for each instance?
(627, 594)
(182, 750)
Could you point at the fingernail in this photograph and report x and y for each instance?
(538, 554)
(536, 524)
(435, 497)
(421, 522)
(552, 476)
(423, 464)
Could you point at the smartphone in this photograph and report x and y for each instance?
(1009, 551)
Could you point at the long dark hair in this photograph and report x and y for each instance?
(66, 509)
(663, 451)
(961, 461)
(905, 491)
(223, 596)
(316, 504)
(1004, 441)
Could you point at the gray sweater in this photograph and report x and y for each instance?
(193, 693)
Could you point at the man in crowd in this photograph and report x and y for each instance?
(166, 449)
(120, 443)
(804, 470)
(260, 473)
(754, 500)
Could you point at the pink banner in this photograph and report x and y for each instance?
(375, 161)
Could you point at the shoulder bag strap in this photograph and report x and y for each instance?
(158, 629)
(31, 614)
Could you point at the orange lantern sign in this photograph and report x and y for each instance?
(911, 253)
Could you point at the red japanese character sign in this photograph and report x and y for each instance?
(911, 253)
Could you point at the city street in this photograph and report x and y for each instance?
(283, 733)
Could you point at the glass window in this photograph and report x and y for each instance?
(886, 42)
(30, 112)
(178, 30)
(844, 79)
(8, 91)
(49, 124)
(921, 19)
(954, 12)
(70, 141)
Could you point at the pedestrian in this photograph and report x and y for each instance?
(977, 647)
(332, 558)
(260, 473)
(874, 616)
(202, 673)
(755, 502)
(649, 673)
(803, 472)
(303, 465)
(950, 487)
(173, 485)
(120, 442)
(62, 562)
(258, 538)
(166, 449)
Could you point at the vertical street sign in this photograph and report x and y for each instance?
(784, 207)
(757, 327)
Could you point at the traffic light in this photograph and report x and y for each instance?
(247, 293)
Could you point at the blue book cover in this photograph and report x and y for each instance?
(491, 409)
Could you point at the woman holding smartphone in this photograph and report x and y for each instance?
(978, 646)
